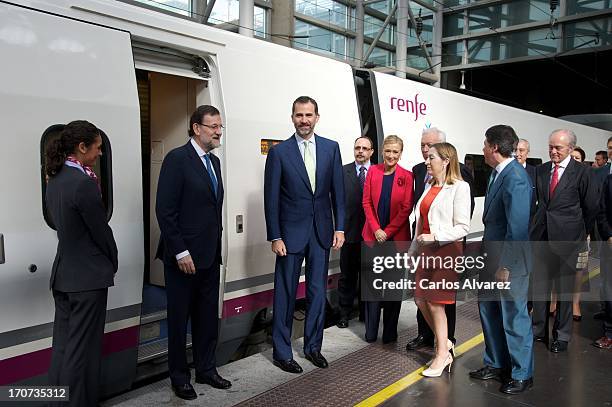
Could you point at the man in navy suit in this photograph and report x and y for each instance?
(522, 152)
(604, 219)
(350, 257)
(503, 313)
(189, 202)
(303, 183)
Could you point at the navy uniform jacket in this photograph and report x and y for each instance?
(86, 256)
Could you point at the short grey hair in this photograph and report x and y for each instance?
(441, 135)
(526, 142)
(573, 140)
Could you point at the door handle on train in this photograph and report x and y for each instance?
(2, 259)
(239, 224)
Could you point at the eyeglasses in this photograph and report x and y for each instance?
(214, 127)
(359, 148)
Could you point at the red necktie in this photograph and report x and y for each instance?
(553, 181)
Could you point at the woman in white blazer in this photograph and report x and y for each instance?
(442, 220)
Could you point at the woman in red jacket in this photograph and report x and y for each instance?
(387, 202)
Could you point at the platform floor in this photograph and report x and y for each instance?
(376, 374)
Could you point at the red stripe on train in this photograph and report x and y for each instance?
(257, 301)
(37, 363)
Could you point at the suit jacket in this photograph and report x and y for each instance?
(419, 172)
(188, 212)
(86, 256)
(600, 174)
(604, 216)
(571, 211)
(531, 170)
(449, 214)
(506, 220)
(291, 207)
(355, 217)
(401, 203)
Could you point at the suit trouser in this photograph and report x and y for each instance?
(451, 317)
(348, 286)
(78, 330)
(196, 296)
(549, 267)
(606, 284)
(286, 278)
(390, 318)
(507, 329)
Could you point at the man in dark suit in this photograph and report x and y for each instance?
(350, 256)
(429, 137)
(503, 312)
(85, 263)
(522, 152)
(566, 209)
(189, 203)
(599, 176)
(604, 222)
(303, 183)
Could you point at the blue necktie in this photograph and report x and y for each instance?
(211, 173)
(362, 176)
(491, 180)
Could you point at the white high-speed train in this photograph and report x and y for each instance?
(137, 75)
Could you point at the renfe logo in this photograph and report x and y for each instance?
(405, 105)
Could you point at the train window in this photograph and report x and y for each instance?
(480, 171)
(102, 168)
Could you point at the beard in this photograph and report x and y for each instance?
(304, 131)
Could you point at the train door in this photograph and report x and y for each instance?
(169, 92)
(55, 70)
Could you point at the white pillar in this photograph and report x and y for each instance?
(247, 18)
(401, 38)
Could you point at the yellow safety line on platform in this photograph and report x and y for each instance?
(413, 377)
(406, 381)
(591, 274)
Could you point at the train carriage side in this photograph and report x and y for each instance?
(82, 65)
(407, 107)
(54, 70)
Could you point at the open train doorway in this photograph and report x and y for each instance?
(167, 101)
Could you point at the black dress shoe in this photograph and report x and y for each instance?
(540, 339)
(558, 346)
(486, 373)
(516, 386)
(418, 342)
(342, 323)
(577, 318)
(185, 391)
(290, 365)
(317, 359)
(215, 381)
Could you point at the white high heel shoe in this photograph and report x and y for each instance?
(429, 372)
(451, 350)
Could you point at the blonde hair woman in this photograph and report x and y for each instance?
(387, 203)
(442, 220)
